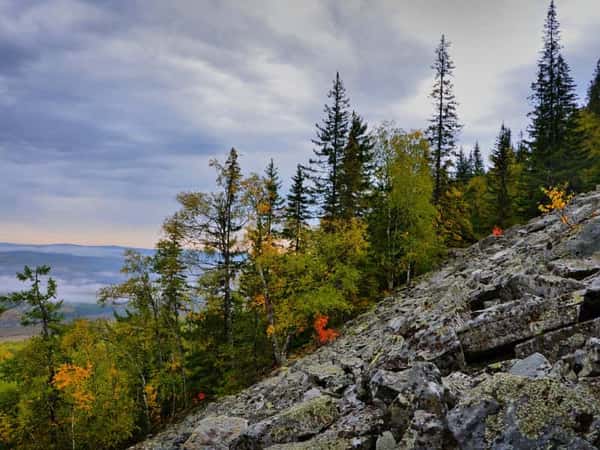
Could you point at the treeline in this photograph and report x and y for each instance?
(247, 276)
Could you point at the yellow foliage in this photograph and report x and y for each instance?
(558, 201)
(7, 428)
(270, 330)
(259, 300)
(72, 378)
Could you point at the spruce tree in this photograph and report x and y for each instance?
(464, 167)
(297, 210)
(501, 180)
(274, 203)
(331, 140)
(444, 125)
(356, 168)
(593, 93)
(478, 167)
(554, 156)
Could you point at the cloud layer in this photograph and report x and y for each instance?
(110, 108)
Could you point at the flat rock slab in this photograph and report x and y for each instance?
(515, 321)
(558, 343)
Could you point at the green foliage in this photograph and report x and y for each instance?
(401, 222)
(555, 155)
(502, 181)
(41, 309)
(331, 140)
(297, 210)
(593, 94)
(355, 170)
(475, 196)
(589, 127)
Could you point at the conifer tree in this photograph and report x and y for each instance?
(211, 222)
(297, 210)
(464, 168)
(274, 202)
(501, 180)
(554, 156)
(331, 140)
(593, 94)
(478, 167)
(356, 170)
(444, 125)
(521, 150)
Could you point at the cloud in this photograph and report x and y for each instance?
(110, 108)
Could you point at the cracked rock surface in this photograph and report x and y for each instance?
(499, 349)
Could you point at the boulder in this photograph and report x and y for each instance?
(298, 423)
(587, 241)
(215, 432)
(513, 412)
(402, 393)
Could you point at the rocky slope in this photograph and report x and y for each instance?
(498, 349)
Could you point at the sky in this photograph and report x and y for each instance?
(109, 108)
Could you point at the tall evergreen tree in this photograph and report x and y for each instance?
(501, 180)
(464, 167)
(554, 154)
(356, 167)
(478, 166)
(297, 210)
(444, 125)
(331, 140)
(593, 93)
(274, 202)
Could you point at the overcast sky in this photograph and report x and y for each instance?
(109, 108)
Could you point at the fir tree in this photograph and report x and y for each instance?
(554, 155)
(444, 125)
(501, 180)
(297, 210)
(331, 140)
(356, 170)
(478, 167)
(464, 167)
(593, 94)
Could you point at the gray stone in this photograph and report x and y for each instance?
(534, 366)
(386, 442)
(587, 241)
(467, 422)
(215, 432)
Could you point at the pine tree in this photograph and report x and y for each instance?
(478, 167)
(593, 94)
(331, 140)
(554, 154)
(297, 210)
(444, 127)
(356, 167)
(464, 167)
(501, 180)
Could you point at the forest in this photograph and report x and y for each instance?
(247, 277)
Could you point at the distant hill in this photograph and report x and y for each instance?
(79, 270)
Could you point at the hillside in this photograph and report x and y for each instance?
(496, 349)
